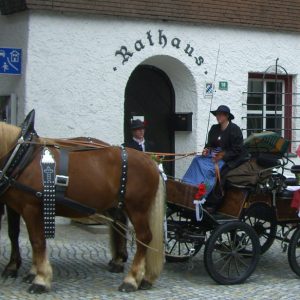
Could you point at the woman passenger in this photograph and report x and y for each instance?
(224, 150)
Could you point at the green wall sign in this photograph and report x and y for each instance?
(223, 85)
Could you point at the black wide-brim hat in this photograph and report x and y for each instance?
(223, 109)
(137, 124)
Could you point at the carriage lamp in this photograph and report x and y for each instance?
(296, 170)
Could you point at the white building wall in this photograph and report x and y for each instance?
(14, 34)
(71, 82)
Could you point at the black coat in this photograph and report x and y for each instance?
(231, 142)
(133, 144)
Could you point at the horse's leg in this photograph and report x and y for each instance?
(41, 266)
(118, 245)
(13, 220)
(137, 271)
(148, 261)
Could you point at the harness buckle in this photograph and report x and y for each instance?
(61, 180)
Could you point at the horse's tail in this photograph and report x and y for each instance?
(155, 254)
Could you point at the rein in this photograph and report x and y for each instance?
(115, 224)
(172, 154)
(92, 145)
(125, 228)
(162, 154)
(70, 144)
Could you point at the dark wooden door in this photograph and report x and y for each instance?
(149, 93)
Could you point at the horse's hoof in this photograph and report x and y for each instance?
(127, 287)
(145, 285)
(37, 289)
(9, 273)
(29, 278)
(115, 268)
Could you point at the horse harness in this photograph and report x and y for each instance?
(54, 185)
(21, 155)
(123, 182)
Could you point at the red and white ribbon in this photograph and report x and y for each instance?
(199, 209)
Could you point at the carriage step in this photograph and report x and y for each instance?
(194, 236)
(221, 219)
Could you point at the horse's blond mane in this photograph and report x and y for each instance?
(8, 136)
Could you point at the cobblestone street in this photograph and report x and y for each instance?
(79, 257)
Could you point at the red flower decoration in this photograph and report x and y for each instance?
(201, 191)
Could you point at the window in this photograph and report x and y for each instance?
(8, 109)
(269, 104)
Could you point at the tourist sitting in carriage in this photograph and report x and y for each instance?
(223, 151)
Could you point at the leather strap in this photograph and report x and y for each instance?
(76, 206)
(123, 179)
(48, 175)
(62, 179)
(218, 178)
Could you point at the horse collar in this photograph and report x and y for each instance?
(17, 160)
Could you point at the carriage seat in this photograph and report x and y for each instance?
(285, 194)
(295, 169)
(291, 181)
(249, 187)
(268, 160)
(247, 175)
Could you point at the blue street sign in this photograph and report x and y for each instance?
(10, 61)
(209, 88)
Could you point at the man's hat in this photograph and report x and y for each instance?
(137, 124)
(223, 109)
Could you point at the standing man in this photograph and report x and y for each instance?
(138, 141)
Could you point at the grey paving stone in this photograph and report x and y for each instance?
(79, 258)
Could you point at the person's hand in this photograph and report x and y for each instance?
(205, 152)
(218, 156)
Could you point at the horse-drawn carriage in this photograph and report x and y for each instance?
(250, 218)
(244, 227)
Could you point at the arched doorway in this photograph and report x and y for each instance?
(149, 93)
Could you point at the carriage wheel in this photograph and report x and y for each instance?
(294, 252)
(261, 218)
(179, 247)
(231, 253)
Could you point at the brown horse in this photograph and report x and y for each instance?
(13, 221)
(94, 182)
(117, 234)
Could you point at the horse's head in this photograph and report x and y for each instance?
(8, 137)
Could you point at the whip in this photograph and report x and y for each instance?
(212, 96)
